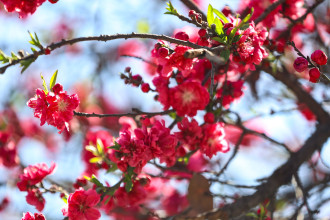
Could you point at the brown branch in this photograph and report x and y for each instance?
(137, 112)
(280, 176)
(104, 38)
(298, 20)
(268, 11)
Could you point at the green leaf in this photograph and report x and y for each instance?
(236, 38)
(26, 63)
(87, 178)
(3, 57)
(219, 26)
(65, 199)
(247, 18)
(44, 84)
(96, 181)
(53, 80)
(14, 56)
(115, 147)
(128, 186)
(225, 54)
(112, 168)
(95, 160)
(172, 115)
(210, 15)
(220, 40)
(221, 15)
(251, 214)
(171, 9)
(99, 146)
(244, 26)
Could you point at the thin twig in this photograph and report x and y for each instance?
(137, 112)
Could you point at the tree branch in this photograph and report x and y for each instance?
(137, 112)
(268, 11)
(104, 38)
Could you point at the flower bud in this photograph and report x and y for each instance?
(319, 57)
(300, 64)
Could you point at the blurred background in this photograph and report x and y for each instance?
(92, 70)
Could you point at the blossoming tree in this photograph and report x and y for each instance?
(174, 162)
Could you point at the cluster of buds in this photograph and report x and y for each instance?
(195, 16)
(318, 57)
(135, 80)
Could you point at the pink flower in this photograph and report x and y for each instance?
(189, 97)
(34, 174)
(81, 205)
(213, 140)
(36, 216)
(232, 91)
(35, 198)
(300, 64)
(133, 198)
(23, 7)
(319, 57)
(91, 139)
(56, 108)
(190, 133)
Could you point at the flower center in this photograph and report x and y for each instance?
(187, 97)
(62, 105)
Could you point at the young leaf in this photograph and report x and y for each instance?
(220, 40)
(221, 15)
(96, 181)
(99, 146)
(219, 26)
(3, 57)
(95, 159)
(44, 84)
(210, 15)
(26, 63)
(53, 80)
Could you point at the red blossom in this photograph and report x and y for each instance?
(56, 108)
(233, 91)
(36, 216)
(34, 174)
(35, 198)
(213, 140)
(82, 205)
(189, 97)
(190, 133)
(23, 7)
(133, 198)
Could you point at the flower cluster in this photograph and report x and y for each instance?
(209, 139)
(318, 57)
(249, 46)
(146, 144)
(56, 108)
(31, 176)
(35, 216)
